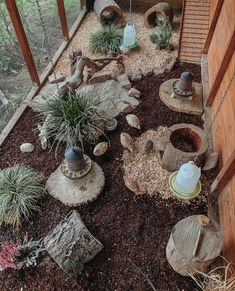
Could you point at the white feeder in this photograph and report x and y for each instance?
(185, 183)
(129, 38)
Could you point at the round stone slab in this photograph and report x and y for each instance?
(76, 192)
(181, 104)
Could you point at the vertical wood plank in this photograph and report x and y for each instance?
(213, 25)
(222, 69)
(22, 39)
(224, 176)
(63, 19)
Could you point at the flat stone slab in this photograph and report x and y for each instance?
(79, 191)
(182, 104)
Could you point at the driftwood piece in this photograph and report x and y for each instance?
(161, 12)
(192, 246)
(108, 12)
(78, 66)
(71, 245)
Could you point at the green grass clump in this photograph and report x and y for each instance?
(162, 36)
(20, 189)
(72, 120)
(106, 40)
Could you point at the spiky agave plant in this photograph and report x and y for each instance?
(20, 189)
(70, 120)
(106, 40)
(162, 35)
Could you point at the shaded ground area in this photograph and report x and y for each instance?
(132, 228)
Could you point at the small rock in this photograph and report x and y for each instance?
(56, 78)
(147, 72)
(100, 149)
(100, 77)
(168, 65)
(124, 81)
(133, 121)
(136, 75)
(26, 147)
(127, 141)
(134, 93)
(148, 146)
(158, 71)
(211, 162)
(132, 101)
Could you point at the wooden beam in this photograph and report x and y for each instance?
(224, 176)
(213, 25)
(22, 39)
(222, 69)
(63, 19)
(44, 76)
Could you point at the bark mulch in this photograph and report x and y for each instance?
(133, 229)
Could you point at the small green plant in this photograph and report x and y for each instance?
(106, 40)
(72, 119)
(162, 36)
(20, 189)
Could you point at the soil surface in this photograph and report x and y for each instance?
(133, 229)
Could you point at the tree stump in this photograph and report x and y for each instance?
(71, 244)
(109, 12)
(161, 12)
(187, 135)
(192, 246)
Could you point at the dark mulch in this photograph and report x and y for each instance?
(132, 228)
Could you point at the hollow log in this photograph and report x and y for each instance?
(161, 12)
(108, 12)
(71, 245)
(193, 247)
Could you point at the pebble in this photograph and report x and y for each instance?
(26, 147)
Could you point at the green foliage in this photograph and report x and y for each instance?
(72, 120)
(20, 189)
(106, 40)
(162, 36)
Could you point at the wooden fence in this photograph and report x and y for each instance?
(220, 47)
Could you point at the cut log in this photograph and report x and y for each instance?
(71, 245)
(108, 12)
(161, 12)
(193, 247)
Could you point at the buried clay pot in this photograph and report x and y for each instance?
(110, 124)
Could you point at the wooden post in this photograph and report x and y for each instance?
(224, 176)
(181, 27)
(63, 20)
(22, 39)
(213, 25)
(222, 69)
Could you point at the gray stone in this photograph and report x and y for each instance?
(134, 93)
(136, 75)
(71, 244)
(124, 81)
(147, 72)
(169, 63)
(131, 101)
(211, 162)
(26, 147)
(158, 71)
(100, 77)
(56, 78)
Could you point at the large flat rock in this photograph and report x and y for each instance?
(79, 191)
(182, 104)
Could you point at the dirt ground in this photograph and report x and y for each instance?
(133, 229)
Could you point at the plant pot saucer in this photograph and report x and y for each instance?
(76, 175)
(186, 196)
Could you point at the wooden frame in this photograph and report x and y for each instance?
(63, 19)
(43, 78)
(222, 69)
(181, 28)
(213, 25)
(22, 39)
